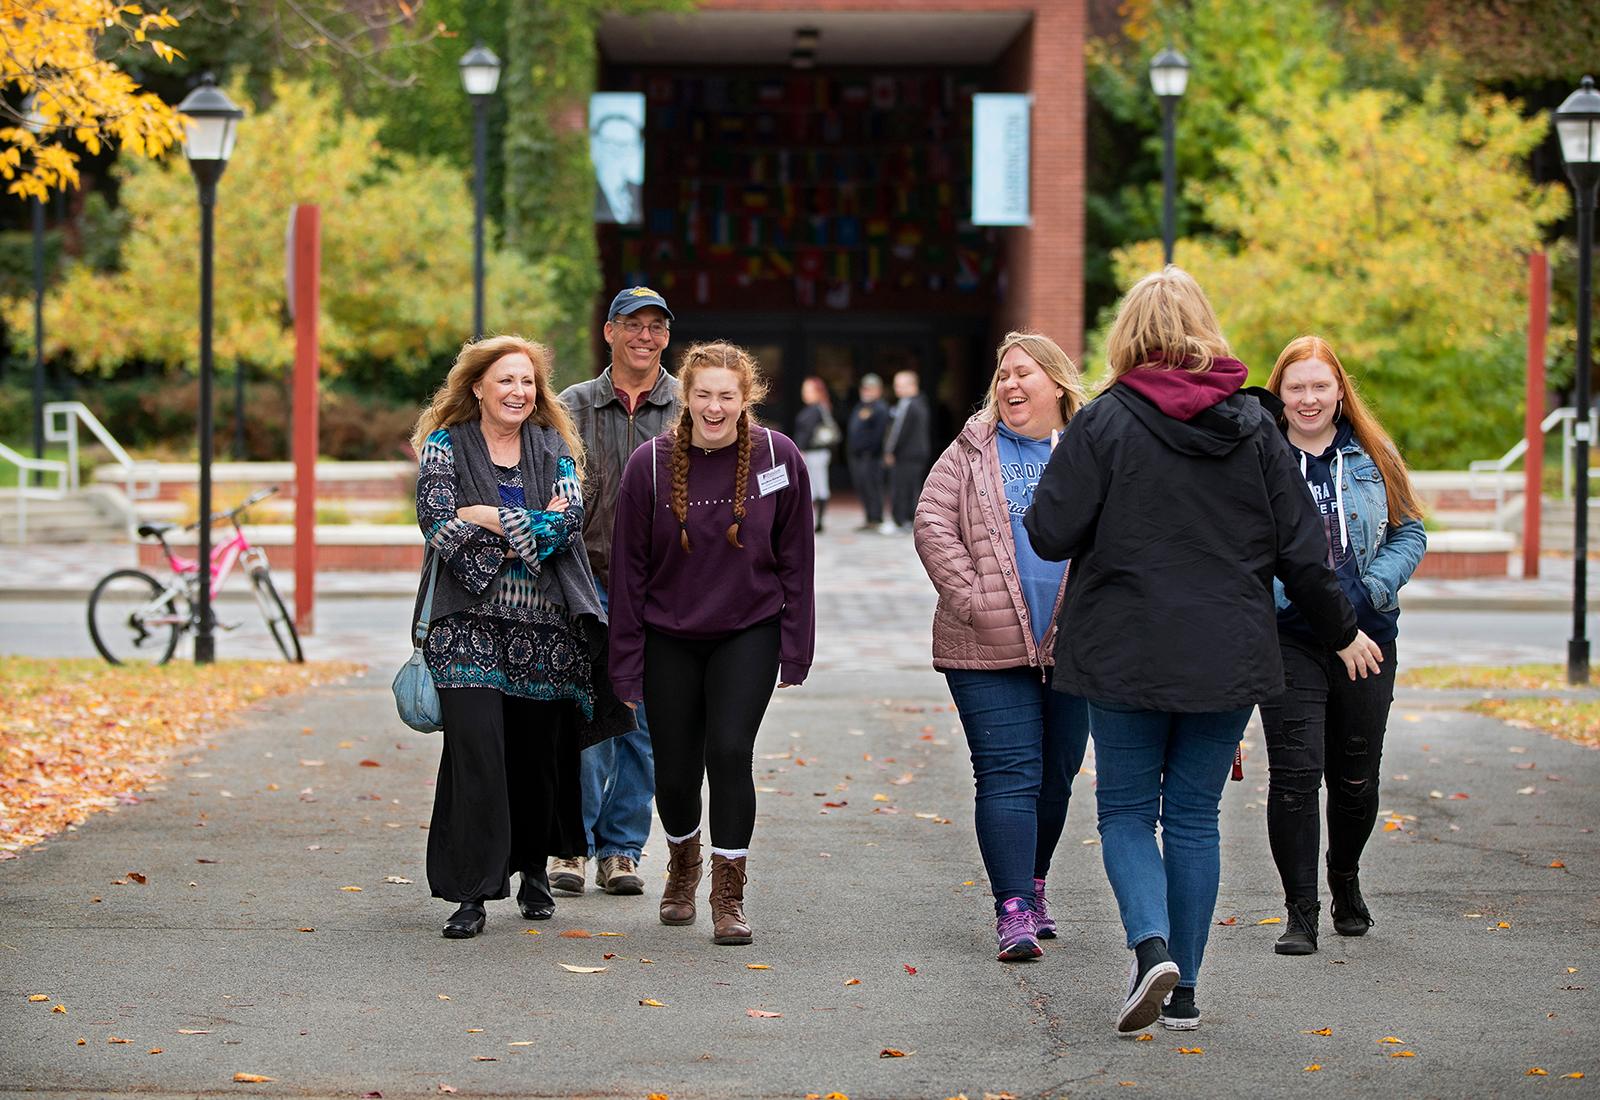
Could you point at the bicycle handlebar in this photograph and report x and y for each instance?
(253, 498)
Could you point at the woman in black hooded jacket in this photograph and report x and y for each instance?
(1177, 501)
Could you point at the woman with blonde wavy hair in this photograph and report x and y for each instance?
(1176, 499)
(516, 643)
(711, 603)
(1323, 727)
(994, 627)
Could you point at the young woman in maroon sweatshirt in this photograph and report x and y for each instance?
(711, 603)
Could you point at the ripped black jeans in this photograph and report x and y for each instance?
(1323, 725)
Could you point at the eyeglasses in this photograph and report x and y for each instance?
(658, 329)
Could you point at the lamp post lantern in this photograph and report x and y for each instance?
(480, 76)
(1578, 126)
(1169, 76)
(211, 125)
(34, 121)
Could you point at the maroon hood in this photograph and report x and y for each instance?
(1182, 394)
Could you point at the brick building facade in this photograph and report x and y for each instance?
(808, 183)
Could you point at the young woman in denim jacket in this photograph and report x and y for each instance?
(1327, 724)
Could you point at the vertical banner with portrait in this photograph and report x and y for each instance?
(616, 146)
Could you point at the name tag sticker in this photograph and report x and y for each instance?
(770, 481)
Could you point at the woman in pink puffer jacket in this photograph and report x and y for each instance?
(994, 628)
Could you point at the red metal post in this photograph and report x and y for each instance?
(306, 291)
(1533, 461)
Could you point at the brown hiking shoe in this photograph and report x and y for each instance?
(683, 877)
(566, 874)
(729, 928)
(618, 875)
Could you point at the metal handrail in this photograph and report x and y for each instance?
(1566, 417)
(73, 412)
(24, 491)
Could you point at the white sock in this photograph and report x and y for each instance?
(730, 853)
(681, 839)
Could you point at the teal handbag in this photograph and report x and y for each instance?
(415, 697)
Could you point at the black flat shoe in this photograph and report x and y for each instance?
(533, 896)
(465, 922)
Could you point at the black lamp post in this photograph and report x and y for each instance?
(211, 125)
(35, 123)
(1578, 126)
(480, 76)
(1169, 76)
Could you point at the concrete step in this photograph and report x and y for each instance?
(90, 515)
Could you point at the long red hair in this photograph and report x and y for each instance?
(1402, 497)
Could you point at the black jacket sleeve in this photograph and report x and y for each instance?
(1303, 547)
(1067, 501)
(805, 426)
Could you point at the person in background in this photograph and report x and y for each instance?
(994, 627)
(517, 644)
(1324, 725)
(869, 423)
(907, 446)
(712, 603)
(632, 400)
(816, 433)
(1177, 500)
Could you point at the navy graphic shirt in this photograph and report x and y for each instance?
(1380, 626)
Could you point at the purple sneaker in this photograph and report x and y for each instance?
(1043, 925)
(1014, 930)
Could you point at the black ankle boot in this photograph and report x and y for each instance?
(1350, 916)
(465, 922)
(1300, 938)
(533, 896)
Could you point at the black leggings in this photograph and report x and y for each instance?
(1323, 725)
(706, 698)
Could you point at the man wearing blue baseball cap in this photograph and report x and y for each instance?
(633, 400)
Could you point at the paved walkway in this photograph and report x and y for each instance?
(246, 950)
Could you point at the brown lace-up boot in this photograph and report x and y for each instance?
(729, 928)
(683, 876)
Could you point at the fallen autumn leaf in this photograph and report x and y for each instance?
(250, 1078)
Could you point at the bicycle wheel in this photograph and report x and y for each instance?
(132, 619)
(279, 621)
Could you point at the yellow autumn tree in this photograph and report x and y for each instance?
(57, 51)
(1398, 228)
(396, 255)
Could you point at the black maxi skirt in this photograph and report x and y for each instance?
(507, 795)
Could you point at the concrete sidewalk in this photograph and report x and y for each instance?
(259, 830)
(244, 950)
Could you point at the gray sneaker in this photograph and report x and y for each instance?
(618, 875)
(566, 875)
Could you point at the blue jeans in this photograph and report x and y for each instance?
(618, 780)
(1027, 742)
(1152, 764)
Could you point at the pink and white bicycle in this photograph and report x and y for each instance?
(136, 619)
